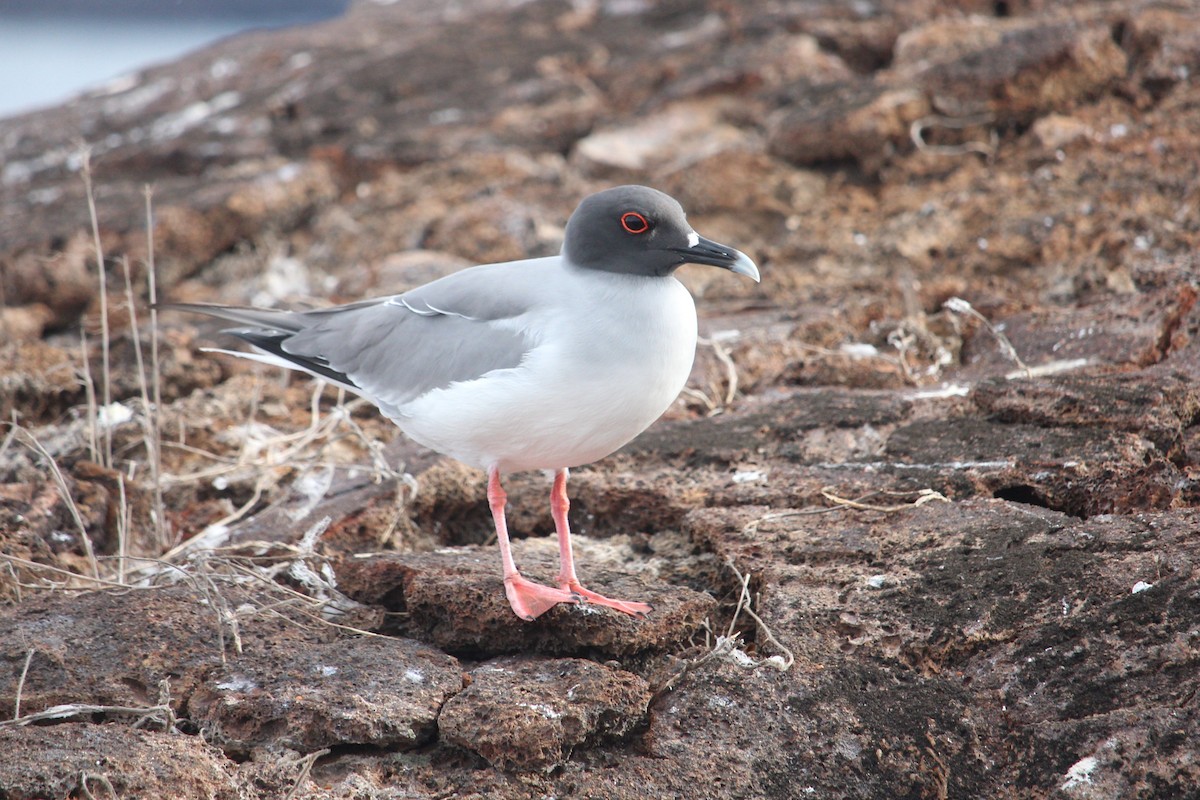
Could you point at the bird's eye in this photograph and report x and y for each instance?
(634, 222)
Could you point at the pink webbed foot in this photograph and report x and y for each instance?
(631, 607)
(530, 600)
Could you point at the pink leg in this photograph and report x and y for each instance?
(559, 504)
(529, 600)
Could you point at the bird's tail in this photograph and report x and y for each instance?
(268, 331)
(270, 319)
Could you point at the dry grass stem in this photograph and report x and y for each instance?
(89, 390)
(85, 778)
(13, 427)
(306, 764)
(782, 663)
(16, 581)
(923, 496)
(149, 417)
(21, 684)
(903, 340)
(256, 580)
(710, 406)
(729, 646)
(155, 371)
(840, 503)
(267, 455)
(916, 132)
(161, 714)
(105, 340)
(717, 403)
(68, 585)
(124, 521)
(731, 371)
(959, 306)
(65, 492)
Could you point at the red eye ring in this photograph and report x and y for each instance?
(634, 223)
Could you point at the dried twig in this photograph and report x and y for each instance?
(16, 582)
(149, 420)
(731, 372)
(960, 306)
(21, 684)
(13, 427)
(86, 777)
(306, 764)
(782, 663)
(716, 406)
(70, 710)
(916, 132)
(722, 649)
(93, 582)
(729, 646)
(65, 492)
(923, 496)
(106, 365)
(89, 390)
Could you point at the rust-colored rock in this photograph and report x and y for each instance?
(1158, 408)
(369, 691)
(1080, 471)
(854, 121)
(108, 648)
(531, 713)
(1011, 70)
(455, 599)
(77, 759)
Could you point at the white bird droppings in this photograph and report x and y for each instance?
(1080, 773)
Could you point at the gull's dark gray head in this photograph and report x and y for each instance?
(637, 230)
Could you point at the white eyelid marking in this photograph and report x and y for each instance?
(693, 239)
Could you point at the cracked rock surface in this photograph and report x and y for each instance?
(522, 712)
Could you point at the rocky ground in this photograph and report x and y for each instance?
(922, 526)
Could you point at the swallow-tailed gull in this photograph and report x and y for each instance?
(545, 363)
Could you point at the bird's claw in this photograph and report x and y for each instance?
(529, 600)
(631, 607)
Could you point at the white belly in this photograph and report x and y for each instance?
(595, 381)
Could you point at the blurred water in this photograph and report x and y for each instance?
(44, 60)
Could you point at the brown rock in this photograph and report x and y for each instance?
(988, 647)
(742, 183)
(400, 272)
(108, 648)
(64, 284)
(1165, 46)
(372, 691)
(1013, 70)
(530, 713)
(24, 323)
(861, 121)
(455, 599)
(1055, 131)
(1098, 688)
(81, 759)
(676, 137)
(1080, 471)
(1157, 407)
(1132, 333)
(37, 378)
(780, 425)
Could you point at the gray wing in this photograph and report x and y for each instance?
(397, 348)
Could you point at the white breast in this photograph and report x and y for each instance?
(612, 355)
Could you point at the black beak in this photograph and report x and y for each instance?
(706, 251)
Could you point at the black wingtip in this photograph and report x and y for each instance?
(272, 341)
